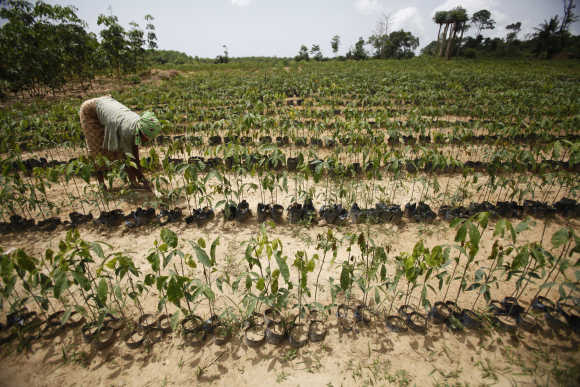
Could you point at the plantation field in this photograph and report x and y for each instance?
(339, 223)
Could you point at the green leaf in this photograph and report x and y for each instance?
(81, 280)
(455, 222)
(212, 250)
(202, 256)
(560, 237)
(474, 235)
(472, 287)
(149, 280)
(118, 294)
(96, 247)
(520, 260)
(111, 263)
(344, 278)
(25, 261)
(169, 237)
(500, 227)
(174, 291)
(512, 232)
(153, 259)
(60, 284)
(483, 219)
(102, 290)
(66, 315)
(208, 293)
(160, 281)
(260, 285)
(562, 291)
(461, 233)
(251, 306)
(523, 226)
(161, 304)
(283, 266)
(175, 320)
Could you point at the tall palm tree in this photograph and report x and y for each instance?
(448, 21)
(440, 18)
(545, 35)
(458, 17)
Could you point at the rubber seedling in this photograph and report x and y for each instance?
(208, 263)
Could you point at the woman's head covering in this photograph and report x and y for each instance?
(149, 125)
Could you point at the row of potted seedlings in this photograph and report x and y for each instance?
(334, 167)
(271, 327)
(96, 300)
(392, 139)
(301, 212)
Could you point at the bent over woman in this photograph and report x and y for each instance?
(112, 130)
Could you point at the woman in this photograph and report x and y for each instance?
(112, 130)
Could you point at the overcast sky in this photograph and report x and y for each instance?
(280, 27)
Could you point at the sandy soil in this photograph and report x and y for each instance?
(369, 356)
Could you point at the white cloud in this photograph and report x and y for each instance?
(241, 3)
(368, 7)
(408, 19)
(470, 5)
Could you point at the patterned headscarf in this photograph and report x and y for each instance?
(148, 125)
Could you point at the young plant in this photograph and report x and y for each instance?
(303, 266)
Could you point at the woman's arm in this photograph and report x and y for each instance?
(139, 171)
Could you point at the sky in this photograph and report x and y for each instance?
(280, 27)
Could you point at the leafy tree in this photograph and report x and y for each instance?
(79, 49)
(458, 18)
(552, 36)
(431, 49)
(334, 43)
(546, 37)
(136, 40)
(43, 46)
(316, 53)
(440, 18)
(398, 44)
(302, 54)
(223, 58)
(168, 56)
(568, 16)
(113, 41)
(151, 36)
(482, 21)
(514, 29)
(358, 52)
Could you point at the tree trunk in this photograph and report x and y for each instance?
(461, 37)
(439, 33)
(451, 40)
(443, 39)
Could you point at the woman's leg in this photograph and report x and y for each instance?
(92, 128)
(94, 134)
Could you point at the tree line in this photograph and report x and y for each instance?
(549, 38)
(384, 44)
(45, 46)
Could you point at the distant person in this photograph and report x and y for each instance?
(113, 130)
